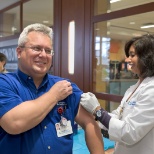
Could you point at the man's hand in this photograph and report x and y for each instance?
(89, 102)
(61, 90)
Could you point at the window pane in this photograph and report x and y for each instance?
(38, 12)
(6, 3)
(107, 6)
(111, 73)
(9, 22)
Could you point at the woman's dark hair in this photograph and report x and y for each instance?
(129, 44)
(144, 49)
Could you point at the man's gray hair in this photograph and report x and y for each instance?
(37, 27)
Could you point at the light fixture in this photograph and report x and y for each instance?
(148, 25)
(97, 29)
(132, 23)
(45, 21)
(113, 1)
(13, 29)
(71, 47)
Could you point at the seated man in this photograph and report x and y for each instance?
(33, 103)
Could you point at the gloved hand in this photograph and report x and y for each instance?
(89, 102)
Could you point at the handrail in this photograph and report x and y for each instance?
(108, 97)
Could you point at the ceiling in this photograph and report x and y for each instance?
(126, 27)
(131, 26)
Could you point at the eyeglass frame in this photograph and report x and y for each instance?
(39, 49)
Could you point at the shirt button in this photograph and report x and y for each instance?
(45, 127)
(49, 147)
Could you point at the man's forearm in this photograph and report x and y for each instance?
(27, 115)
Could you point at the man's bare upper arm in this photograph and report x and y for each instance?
(83, 117)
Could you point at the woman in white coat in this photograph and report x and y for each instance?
(131, 125)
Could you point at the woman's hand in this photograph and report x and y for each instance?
(89, 102)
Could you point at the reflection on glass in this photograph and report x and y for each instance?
(107, 6)
(10, 22)
(111, 72)
(6, 3)
(130, 26)
(38, 11)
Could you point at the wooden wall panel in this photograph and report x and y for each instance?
(73, 10)
(77, 10)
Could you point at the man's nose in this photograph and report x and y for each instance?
(43, 52)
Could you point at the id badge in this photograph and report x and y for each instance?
(63, 130)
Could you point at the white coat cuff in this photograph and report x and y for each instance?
(115, 125)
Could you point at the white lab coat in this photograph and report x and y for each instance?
(134, 132)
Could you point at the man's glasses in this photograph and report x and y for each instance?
(39, 49)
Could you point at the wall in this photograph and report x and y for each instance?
(79, 11)
(9, 49)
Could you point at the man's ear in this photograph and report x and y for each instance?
(18, 51)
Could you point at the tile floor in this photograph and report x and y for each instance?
(79, 146)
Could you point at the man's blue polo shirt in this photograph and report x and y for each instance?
(16, 88)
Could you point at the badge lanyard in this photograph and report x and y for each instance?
(64, 127)
(63, 121)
